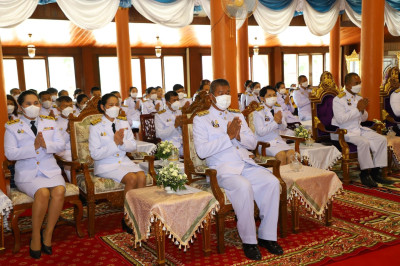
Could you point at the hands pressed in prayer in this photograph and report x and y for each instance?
(39, 141)
(137, 106)
(119, 137)
(362, 105)
(158, 106)
(287, 99)
(52, 114)
(278, 117)
(178, 121)
(234, 127)
(186, 104)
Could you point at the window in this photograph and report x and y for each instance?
(317, 68)
(207, 68)
(62, 73)
(35, 74)
(304, 65)
(260, 71)
(10, 74)
(327, 62)
(109, 74)
(136, 75)
(173, 71)
(290, 69)
(153, 72)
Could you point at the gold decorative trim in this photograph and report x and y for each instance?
(354, 57)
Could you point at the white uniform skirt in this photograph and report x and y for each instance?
(277, 147)
(40, 181)
(126, 166)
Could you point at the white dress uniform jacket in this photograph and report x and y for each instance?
(395, 102)
(267, 130)
(246, 98)
(133, 113)
(165, 127)
(34, 168)
(62, 126)
(149, 106)
(184, 100)
(347, 116)
(287, 109)
(46, 112)
(302, 101)
(243, 180)
(110, 160)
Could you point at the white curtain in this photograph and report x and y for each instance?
(14, 12)
(354, 16)
(89, 14)
(274, 22)
(392, 20)
(177, 14)
(321, 23)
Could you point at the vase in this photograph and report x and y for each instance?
(174, 156)
(168, 190)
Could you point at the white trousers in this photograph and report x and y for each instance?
(254, 183)
(368, 142)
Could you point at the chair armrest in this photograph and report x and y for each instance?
(263, 145)
(152, 171)
(7, 176)
(297, 141)
(62, 161)
(218, 194)
(275, 164)
(391, 120)
(88, 179)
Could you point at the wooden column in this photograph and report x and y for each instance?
(372, 40)
(334, 52)
(277, 67)
(123, 50)
(223, 48)
(88, 63)
(242, 53)
(3, 119)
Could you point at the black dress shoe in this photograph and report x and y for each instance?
(251, 251)
(366, 180)
(125, 227)
(46, 249)
(272, 246)
(34, 253)
(377, 177)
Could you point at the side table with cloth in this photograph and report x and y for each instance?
(393, 144)
(147, 147)
(312, 187)
(5, 207)
(319, 155)
(177, 215)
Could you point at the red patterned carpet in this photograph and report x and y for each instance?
(362, 223)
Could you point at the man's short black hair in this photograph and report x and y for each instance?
(277, 86)
(300, 77)
(216, 83)
(246, 84)
(62, 99)
(78, 91)
(149, 90)
(177, 87)
(60, 92)
(114, 92)
(52, 90)
(169, 94)
(254, 84)
(42, 93)
(12, 90)
(21, 98)
(80, 98)
(348, 77)
(264, 90)
(131, 88)
(93, 89)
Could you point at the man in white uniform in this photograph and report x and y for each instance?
(47, 109)
(349, 110)
(222, 137)
(185, 102)
(253, 95)
(168, 121)
(283, 99)
(134, 104)
(301, 97)
(151, 104)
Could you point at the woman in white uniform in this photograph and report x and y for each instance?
(109, 140)
(31, 141)
(12, 108)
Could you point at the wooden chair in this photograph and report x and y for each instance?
(148, 128)
(22, 202)
(91, 187)
(322, 114)
(196, 170)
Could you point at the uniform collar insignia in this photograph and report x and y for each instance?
(214, 123)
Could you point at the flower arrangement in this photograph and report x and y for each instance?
(302, 132)
(165, 149)
(170, 176)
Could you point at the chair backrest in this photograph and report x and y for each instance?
(248, 114)
(390, 84)
(193, 164)
(79, 128)
(321, 105)
(148, 128)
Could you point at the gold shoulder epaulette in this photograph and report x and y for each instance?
(359, 94)
(161, 112)
(54, 106)
(122, 118)
(398, 90)
(261, 107)
(96, 121)
(124, 105)
(12, 122)
(233, 110)
(246, 93)
(277, 105)
(203, 113)
(47, 117)
(341, 95)
(250, 94)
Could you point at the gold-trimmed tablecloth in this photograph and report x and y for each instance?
(313, 187)
(181, 215)
(393, 143)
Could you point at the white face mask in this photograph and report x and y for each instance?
(46, 104)
(10, 109)
(67, 111)
(181, 95)
(257, 91)
(16, 96)
(304, 84)
(223, 102)
(153, 96)
(134, 94)
(32, 111)
(53, 98)
(271, 101)
(175, 106)
(112, 112)
(356, 89)
(83, 106)
(282, 91)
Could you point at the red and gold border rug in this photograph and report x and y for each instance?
(361, 222)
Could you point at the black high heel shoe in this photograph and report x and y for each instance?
(46, 249)
(34, 253)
